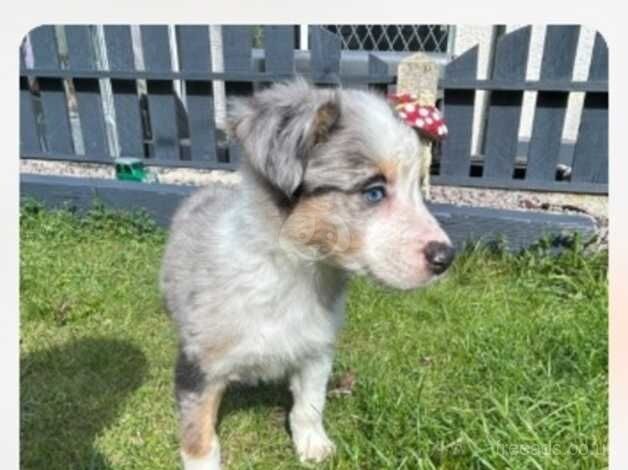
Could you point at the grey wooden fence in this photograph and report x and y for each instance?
(156, 124)
(152, 122)
(588, 159)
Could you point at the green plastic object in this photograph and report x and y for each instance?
(132, 169)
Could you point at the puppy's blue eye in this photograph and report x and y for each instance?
(375, 194)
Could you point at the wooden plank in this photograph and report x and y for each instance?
(56, 121)
(128, 118)
(237, 41)
(201, 120)
(559, 52)
(22, 54)
(29, 137)
(523, 85)
(591, 152)
(160, 201)
(458, 110)
(119, 48)
(89, 101)
(246, 77)
(235, 154)
(456, 148)
(511, 55)
(162, 111)
(279, 49)
(557, 63)
(156, 48)
(519, 229)
(545, 142)
(377, 70)
(193, 48)
(44, 45)
(504, 109)
(324, 55)
(195, 56)
(463, 67)
(79, 42)
(150, 162)
(161, 98)
(502, 131)
(534, 185)
(598, 70)
(91, 117)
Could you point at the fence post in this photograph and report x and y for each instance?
(418, 74)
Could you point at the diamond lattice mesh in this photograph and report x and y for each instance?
(400, 38)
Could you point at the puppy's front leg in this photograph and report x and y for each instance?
(308, 388)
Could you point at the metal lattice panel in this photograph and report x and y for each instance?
(399, 38)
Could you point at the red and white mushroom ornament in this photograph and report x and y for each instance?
(427, 119)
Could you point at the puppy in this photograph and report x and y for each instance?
(255, 277)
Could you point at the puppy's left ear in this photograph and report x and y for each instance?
(280, 126)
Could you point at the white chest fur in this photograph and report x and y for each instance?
(291, 315)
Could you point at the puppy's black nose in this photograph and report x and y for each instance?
(439, 256)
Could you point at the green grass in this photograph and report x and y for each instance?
(501, 365)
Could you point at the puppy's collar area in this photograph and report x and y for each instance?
(426, 119)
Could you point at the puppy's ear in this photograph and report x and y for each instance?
(280, 126)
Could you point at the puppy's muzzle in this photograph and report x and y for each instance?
(439, 256)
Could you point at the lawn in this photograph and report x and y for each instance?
(503, 364)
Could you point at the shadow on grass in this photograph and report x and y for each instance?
(273, 397)
(68, 395)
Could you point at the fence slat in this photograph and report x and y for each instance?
(545, 142)
(458, 109)
(591, 151)
(119, 48)
(511, 55)
(163, 109)
(456, 156)
(279, 48)
(559, 52)
(504, 111)
(44, 44)
(201, 120)
(22, 54)
(92, 117)
(156, 47)
(29, 137)
(58, 134)
(79, 40)
(161, 98)
(89, 101)
(377, 68)
(194, 49)
(324, 54)
(502, 133)
(237, 41)
(128, 118)
(463, 67)
(56, 119)
(599, 61)
(195, 56)
(559, 55)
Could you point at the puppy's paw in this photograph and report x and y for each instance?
(313, 446)
(211, 461)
